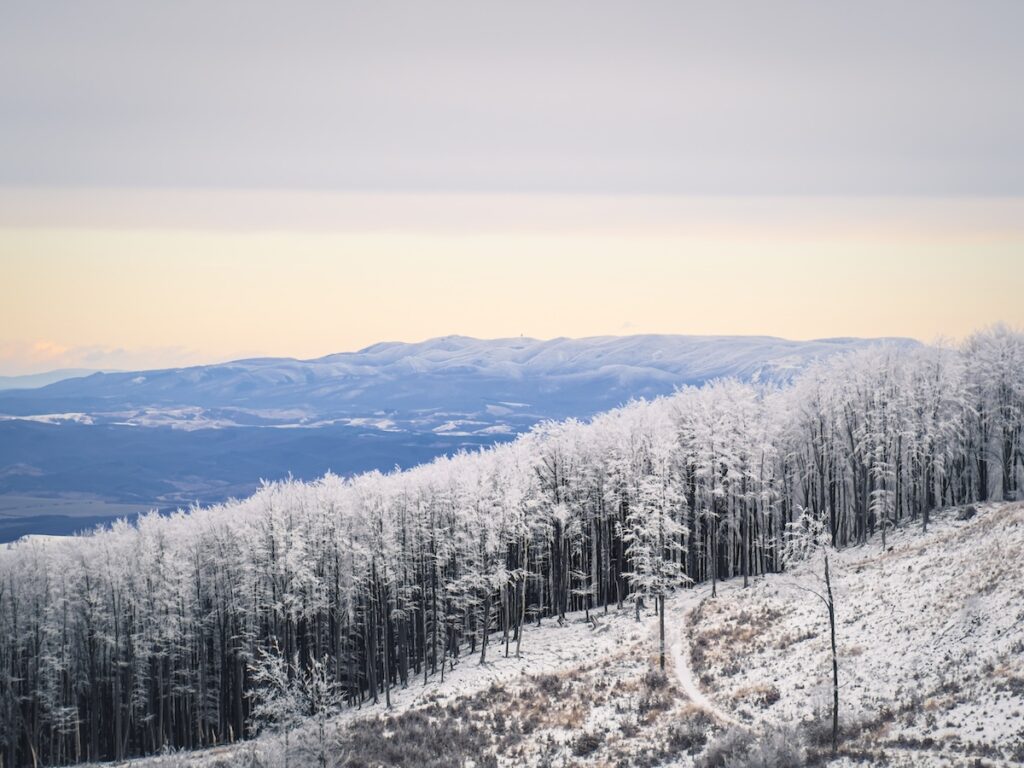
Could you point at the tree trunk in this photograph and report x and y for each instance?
(661, 633)
(835, 659)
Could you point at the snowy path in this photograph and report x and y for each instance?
(680, 652)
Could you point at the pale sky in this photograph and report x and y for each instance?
(188, 182)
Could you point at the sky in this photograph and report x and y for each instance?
(189, 182)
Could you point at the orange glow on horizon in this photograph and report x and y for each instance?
(331, 274)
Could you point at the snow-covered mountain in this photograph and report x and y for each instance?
(427, 384)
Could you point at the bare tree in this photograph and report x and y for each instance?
(809, 539)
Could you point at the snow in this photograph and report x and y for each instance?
(929, 629)
(52, 418)
(449, 426)
(680, 653)
(496, 429)
(384, 425)
(184, 418)
(548, 649)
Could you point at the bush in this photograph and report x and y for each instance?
(688, 736)
(967, 512)
(653, 702)
(780, 747)
(549, 684)
(730, 745)
(425, 738)
(629, 727)
(1017, 750)
(587, 743)
(817, 729)
(655, 680)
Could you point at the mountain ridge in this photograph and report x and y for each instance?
(684, 359)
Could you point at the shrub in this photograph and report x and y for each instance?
(779, 747)
(655, 680)
(688, 736)
(730, 745)
(587, 743)
(629, 727)
(549, 684)
(653, 702)
(421, 738)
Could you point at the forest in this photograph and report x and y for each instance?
(164, 634)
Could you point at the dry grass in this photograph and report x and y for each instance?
(760, 695)
(616, 711)
(721, 636)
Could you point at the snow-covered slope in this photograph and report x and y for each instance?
(931, 645)
(930, 636)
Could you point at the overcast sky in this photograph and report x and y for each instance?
(190, 181)
(673, 97)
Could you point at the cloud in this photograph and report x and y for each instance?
(44, 350)
(662, 97)
(35, 354)
(40, 355)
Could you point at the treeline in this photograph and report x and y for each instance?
(145, 637)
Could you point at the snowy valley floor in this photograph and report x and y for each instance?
(931, 652)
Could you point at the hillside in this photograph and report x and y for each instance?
(931, 669)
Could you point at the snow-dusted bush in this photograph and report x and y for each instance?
(689, 735)
(778, 747)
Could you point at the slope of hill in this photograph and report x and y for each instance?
(930, 637)
(931, 647)
(170, 437)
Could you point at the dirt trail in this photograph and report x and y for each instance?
(680, 653)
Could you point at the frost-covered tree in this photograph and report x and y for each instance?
(286, 693)
(809, 539)
(653, 534)
(276, 695)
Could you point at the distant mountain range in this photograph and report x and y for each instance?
(168, 437)
(35, 380)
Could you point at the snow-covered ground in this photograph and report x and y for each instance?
(931, 647)
(930, 637)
